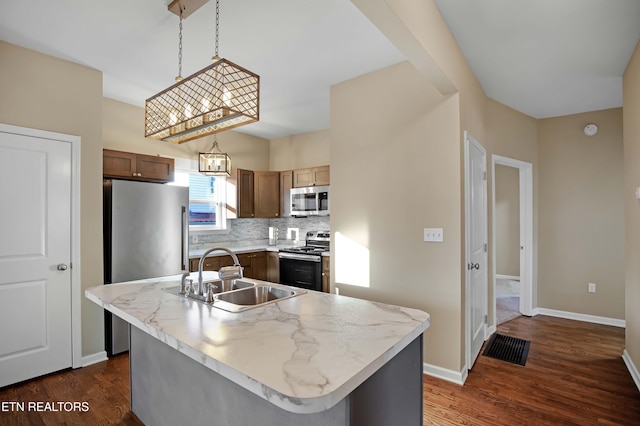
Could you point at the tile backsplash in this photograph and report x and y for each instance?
(256, 231)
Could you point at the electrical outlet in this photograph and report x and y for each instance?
(434, 235)
(292, 233)
(194, 239)
(592, 287)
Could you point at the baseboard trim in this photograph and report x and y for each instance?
(94, 358)
(632, 368)
(457, 377)
(580, 317)
(507, 277)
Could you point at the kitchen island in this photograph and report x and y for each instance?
(313, 359)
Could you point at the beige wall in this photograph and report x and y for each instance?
(423, 20)
(631, 117)
(582, 214)
(394, 171)
(123, 130)
(507, 218)
(300, 151)
(42, 92)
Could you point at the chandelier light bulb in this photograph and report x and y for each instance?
(226, 97)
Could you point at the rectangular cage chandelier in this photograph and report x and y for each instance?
(217, 98)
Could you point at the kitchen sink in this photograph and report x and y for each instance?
(223, 286)
(240, 295)
(247, 298)
(219, 286)
(255, 295)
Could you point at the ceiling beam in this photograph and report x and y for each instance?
(382, 15)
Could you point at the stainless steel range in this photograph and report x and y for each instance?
(302, 266)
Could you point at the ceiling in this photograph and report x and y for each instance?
(547, 58)
(544, 58)
(299, 48)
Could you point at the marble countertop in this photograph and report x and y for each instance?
(303, 354)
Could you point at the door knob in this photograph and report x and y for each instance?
(62, 267)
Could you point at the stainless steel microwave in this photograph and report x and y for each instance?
(310, 201)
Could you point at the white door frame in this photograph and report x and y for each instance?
(76, 324)
(525, 171)
(469, 139)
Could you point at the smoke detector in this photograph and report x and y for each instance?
(590, 129)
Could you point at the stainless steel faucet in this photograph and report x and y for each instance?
(226, 273)
(183, 286)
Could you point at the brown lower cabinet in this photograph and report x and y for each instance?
(254, 264)
(273, 267)
(326, 277)
(257, 264)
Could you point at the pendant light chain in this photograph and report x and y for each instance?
(179, 77)
(217, 26)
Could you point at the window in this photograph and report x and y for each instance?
(206, 200)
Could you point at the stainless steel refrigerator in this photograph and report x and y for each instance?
(145, 235)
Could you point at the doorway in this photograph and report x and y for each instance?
(512, 277)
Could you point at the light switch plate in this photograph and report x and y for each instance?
(434, 235)
(592, 287)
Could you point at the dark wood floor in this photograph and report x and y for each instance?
(574, 375)
(103, 386)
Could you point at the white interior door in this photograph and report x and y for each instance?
(476, 247)
(35, 253)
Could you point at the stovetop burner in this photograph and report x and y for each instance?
(306, 249)
(316, 242)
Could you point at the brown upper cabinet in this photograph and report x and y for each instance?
(246, 206)
(286, 183)
(266, 194)
(131, 166)
(313, 176)
(258, 194)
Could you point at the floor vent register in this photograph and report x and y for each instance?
(506, 348)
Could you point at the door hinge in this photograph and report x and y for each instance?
(484, 175)
(485, 247)
(486, 319)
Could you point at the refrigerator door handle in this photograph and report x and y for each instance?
(185, 239)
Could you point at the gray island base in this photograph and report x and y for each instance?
(169, 388)
(313, 359)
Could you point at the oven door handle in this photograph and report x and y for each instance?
(304, 257)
